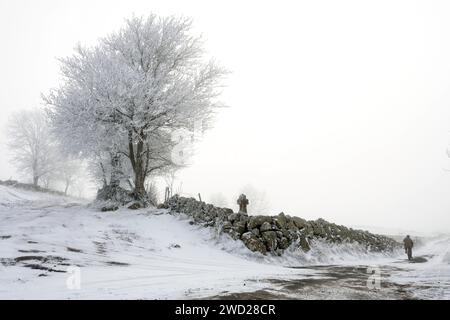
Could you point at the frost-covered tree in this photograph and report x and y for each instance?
(68, 172)
(126, 96)
(31, 144)
(172, 184)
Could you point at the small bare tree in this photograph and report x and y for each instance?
(170, 178)
(31, 144)
(152, 192)
(68, 172)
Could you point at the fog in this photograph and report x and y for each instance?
(336, 109)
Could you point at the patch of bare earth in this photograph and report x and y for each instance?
(333, 282)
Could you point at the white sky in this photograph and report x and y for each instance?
(338, 109)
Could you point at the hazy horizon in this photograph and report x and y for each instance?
(335, 110)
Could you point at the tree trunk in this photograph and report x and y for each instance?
(35, 181)
(116, 171)
(67, 188)
(137, 162)
(105, 182)
(139, 184)
(139, 187)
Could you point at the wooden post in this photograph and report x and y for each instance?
(167, 194)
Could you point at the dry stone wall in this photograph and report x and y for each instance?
(274, 234)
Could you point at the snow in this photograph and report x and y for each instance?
(126, 254)
(149, 254)
(11, 196)
(431, 278)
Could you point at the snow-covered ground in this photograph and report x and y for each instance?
(125, 254)
(430, 280)
(149, 254)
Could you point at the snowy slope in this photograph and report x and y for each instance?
(431, 279)
(127, 254)
(149, 254)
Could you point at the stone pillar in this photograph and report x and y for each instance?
(242, 201)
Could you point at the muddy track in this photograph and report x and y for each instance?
(333, 282)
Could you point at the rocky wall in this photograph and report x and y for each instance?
(274, 234)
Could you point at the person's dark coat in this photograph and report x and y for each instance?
(409, 244)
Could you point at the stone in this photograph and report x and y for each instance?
(207, 217)
(242, 201)
(198, 216)
(281, 220)
(257, 221)
(244, 218)
(290, 225)
(299, 222)
(211, 223)
(309, 229)
(247, 236)
(253, 243)
(304, 244)
(232, 217)
(294, 236)
(233, 234)
(114, 194)
(318, 230)
(240, 227)
(135, 206)
(109, 208)
(284, 243)
(286, 233)
(265, 227)
(227, 225)
(270, 239)
(256, 232)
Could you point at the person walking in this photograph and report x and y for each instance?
(409, 244)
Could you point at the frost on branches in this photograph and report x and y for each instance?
(122, 100)
(31, 144)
